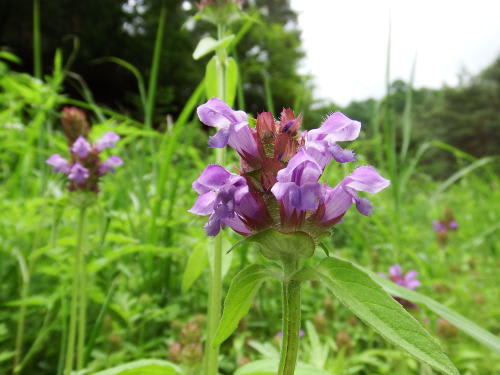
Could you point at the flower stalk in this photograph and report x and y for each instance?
(291, 318)
(77, 309)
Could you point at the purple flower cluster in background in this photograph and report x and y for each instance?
(280, 167)
(445, 225)
(408, 280)
(84, 168)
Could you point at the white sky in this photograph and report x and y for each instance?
(346, 42)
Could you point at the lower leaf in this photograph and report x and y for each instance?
(366, 299)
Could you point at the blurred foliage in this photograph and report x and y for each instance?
(126, 29)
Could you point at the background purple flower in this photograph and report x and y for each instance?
(108, 140)
(109, 165)
(78, 173)
(59, 163)
(81, 147)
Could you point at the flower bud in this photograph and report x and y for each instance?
(74, 123)
(174, 352)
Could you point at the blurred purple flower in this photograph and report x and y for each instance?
(408, 280)
(108, 140)
(109, 165)
(81, 147)
(59, 163)
(78, 173)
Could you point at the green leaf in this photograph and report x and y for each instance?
(196, 264)
(239, 298)
(209, 44)
(143, 367)
(276, 245)
(270, 367)
(211, 78)
(366, 299)
(469, 327)
(231, 80)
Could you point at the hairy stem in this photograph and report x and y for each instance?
(291, 320)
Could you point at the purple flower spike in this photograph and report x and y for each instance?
(108, 140)
(81, 147)
(336, 128)
(78, 173)
(109, 165)
(232, 127)
(59, 163)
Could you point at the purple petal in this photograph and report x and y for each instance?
(337, 202)
(282, 189)
(212, 178)
(109, 165)
(306, 197)
(338, 127)
(366, 179)
(78, 173)
(218, 114)
(364, 206)
(242, 140)
(453, 225)
(204, 204)
(412, 284)
(59, 163)
(81, 147)
(236, 224)
(219, 139)
(395, 270)
(341, 155)
(302, 168)
(213, 226)
(108, 140)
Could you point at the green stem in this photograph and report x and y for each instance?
(70, 348)
(291, 320)
(215, 292)
(82, 318)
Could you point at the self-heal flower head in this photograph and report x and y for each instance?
(59, 164)
(281, 169)
(445, 225)
(108, 140)
(84, 168)
(81, 147)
